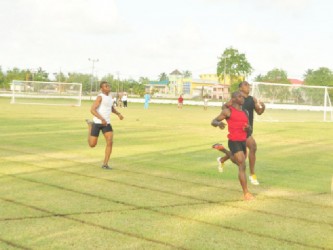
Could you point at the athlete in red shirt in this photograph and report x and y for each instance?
(238, 127)
(250, 105)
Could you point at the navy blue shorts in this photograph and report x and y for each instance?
(96, 128)
(236, 146)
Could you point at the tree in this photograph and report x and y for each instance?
(234, 87)
(80, 78)
(138, 89)
(187, 74)
(320, 77)
(15, 74)
(41, 75)
(2, 79)
(143, 80)
(234, 64)
(60, 77)
(163, 76)
(273, 76)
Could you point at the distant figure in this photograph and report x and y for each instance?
(205, 103)
(114, 101)
(147, 99)
(119, 101)
(101, 110)
(180, 102)
(124, 100)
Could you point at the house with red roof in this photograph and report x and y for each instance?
(296, 81)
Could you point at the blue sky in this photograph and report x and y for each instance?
(148, 37)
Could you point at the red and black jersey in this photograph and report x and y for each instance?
(237, 121)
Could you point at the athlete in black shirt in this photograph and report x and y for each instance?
(251, 104)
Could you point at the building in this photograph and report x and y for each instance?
(176, 82)
(296, 81)
(209, 85)
(160, 87)
(209, 88)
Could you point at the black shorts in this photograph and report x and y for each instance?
(236, 146)
(96, 127)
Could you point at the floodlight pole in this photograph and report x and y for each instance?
(92, 73)
(225, 65)
(118, 82)
(33, 71)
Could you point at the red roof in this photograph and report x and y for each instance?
(176, 72)
(296, 81)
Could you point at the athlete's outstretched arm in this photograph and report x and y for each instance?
(259, 107)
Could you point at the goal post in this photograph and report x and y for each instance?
(295, 97)
(46, 93)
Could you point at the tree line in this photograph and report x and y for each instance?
(89, 82)
(235, 65)
(230, 64)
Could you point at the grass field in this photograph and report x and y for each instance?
(164, 191)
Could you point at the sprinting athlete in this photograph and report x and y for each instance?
(250, 104)
(238, 127)
(101, 109)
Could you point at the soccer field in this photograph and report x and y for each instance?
(164, 191)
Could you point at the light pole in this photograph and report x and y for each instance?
(33, 72)
(118, 82)
(92, 73)
(225, 65)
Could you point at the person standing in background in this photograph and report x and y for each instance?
(147, 99)
(180, 102)
(124, 100)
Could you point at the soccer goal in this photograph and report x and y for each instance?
(305, 99)
(46, 93)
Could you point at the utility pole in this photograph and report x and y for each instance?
(96, 82)
(92, 73)
(225, 65)
(33, 72)
(118, 81)
(59, 77)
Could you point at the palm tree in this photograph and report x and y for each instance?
(187, 74)
(163, 76)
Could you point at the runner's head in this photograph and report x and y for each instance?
(244, 87)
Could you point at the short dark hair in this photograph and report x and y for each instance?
(102, 83)
(242, 83)
(235, 94)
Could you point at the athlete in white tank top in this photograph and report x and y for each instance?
(104, 109)
(101, 110)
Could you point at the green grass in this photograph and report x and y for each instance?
(164, 191)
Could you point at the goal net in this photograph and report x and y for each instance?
(300, 103)
(46, 93)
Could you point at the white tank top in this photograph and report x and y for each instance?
(104, 109)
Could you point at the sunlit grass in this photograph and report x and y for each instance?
(164, 191)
